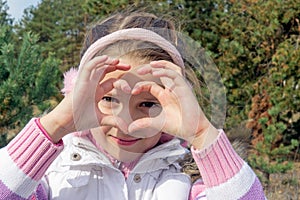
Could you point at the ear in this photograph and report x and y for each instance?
(69, 80)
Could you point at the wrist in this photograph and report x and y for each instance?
(205, 137)
(55, 130)
(58, 123)
(41, 127)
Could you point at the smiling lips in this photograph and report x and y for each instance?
(125, 142)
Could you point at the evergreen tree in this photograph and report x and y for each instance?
(5, 19)
(28, 83)
(256, 46)
(5, 33)
(61, 27)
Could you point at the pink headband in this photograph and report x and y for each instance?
(124, 34)
(132, 34)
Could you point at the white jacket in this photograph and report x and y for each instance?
(83, 172)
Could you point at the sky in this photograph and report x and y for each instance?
(16, 7)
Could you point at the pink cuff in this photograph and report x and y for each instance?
(38, 123)
(218, 162)
(32, 151)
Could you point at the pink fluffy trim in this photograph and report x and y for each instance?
(69, 80)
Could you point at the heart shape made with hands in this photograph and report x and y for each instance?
(180, 112)
(124, 100)
(162, 80)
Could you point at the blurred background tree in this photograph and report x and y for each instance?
(29, 83)
(255, 44)
(60, 24)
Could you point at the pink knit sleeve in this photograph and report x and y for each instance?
(224, 174)
(25, 160)
(38, 123)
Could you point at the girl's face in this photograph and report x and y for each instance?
(118, 104)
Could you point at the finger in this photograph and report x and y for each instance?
(164, 72)
(167, 65)
(157, 91)
(122, 85)
(85, 72)
(170, 70)
(146, 127)
(99, 66)
(112, 61)
(162, 64)
(123, 67)
(147, 86)
(177, 79)
(114, 64)
(144, 69)
(108, 67)
(103, 88)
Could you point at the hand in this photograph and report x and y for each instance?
(78, 110)
(181, 114)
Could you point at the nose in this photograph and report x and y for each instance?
(124, 113)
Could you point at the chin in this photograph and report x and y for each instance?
(126, 156)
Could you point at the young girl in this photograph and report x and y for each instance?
(118, 132)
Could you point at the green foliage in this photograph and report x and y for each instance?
(244, 38)
(4, 16)
(27, 82)
(268, 157)
(61, 25)
(255, 44)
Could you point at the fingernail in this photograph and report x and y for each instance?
(134, 90)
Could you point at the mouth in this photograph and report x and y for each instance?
(125, 142)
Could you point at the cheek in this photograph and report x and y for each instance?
(99, 134)
(108, 108)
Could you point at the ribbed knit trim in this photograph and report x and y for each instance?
(236, 187)
(218, 162)
(38, 123)
(15, 181)
(32, 151)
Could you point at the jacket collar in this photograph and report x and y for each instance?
(160, 157)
